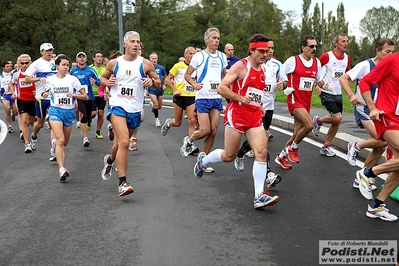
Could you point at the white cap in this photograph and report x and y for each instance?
(83, 53)
(46, 46)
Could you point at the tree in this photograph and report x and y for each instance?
(317, 25)
(381, 22)
(306, 20)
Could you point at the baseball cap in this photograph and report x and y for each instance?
(46, 46)
(83, 53)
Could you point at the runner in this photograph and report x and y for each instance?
(62, 89)
(244, 85)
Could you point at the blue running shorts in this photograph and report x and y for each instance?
(205, 105)
(66, 116)
(132, 119)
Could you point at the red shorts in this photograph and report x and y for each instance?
(293, 103)
(390, 122)
(241, 119)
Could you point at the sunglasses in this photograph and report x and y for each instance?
(262, 51)
(313, 46)
(24, 63)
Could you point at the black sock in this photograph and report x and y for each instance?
(122, 179)
(98, 132)
(369, 172)
(244, 149)
(268, 163)
(376, 203)
(155, 112)
(34, 137)
(109, 161)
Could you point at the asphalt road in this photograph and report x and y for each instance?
(173, 218)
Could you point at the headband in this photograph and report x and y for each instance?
(258, 45)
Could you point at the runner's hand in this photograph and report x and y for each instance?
(288, 91)
(328, 87)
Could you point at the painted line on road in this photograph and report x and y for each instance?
(3, 131)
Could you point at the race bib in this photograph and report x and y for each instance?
(337, 73)
(269, 88)
(257, 96)
(188, 88)
(127, 91)
(306, 84)
(213, 87)
(23, 84)
(62, 100)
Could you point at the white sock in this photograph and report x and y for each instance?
(214, 156)
(259, 171)
(294, 145)
(282, 154)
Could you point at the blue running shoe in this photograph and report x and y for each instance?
(265, 199)
(199, 168)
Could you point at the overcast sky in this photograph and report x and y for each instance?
(355, 10)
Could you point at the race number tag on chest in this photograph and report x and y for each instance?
(306, 84)
(188, 88)
(62, 100)
(337, 73)
(269, 88)
(23, 84)
(127, 91)
(213, 86)
(256, 96)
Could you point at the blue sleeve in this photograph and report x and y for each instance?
(95, 76)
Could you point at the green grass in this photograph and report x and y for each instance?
(168, 91)
(347, 105)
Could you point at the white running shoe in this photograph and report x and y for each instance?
(165, 127)
(63, 174)
(86, 142)
(209, 170)
(28, 148)
(351, 156)
(272, 179)
(106, 172)
(327, 152)
(371, 181)
(157, 122)
(186, 148)
(381, 212)
(316, 126)
(77, 124)
(33, 143)
(250, 154)
(53, 157)
(364, 185)
(239, 164)
(125, 189)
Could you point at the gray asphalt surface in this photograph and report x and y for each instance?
(173, 218)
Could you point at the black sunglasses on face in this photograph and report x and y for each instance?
(24, 63)
(313, 46)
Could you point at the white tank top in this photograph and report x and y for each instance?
(128, 91)
(334, 69)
